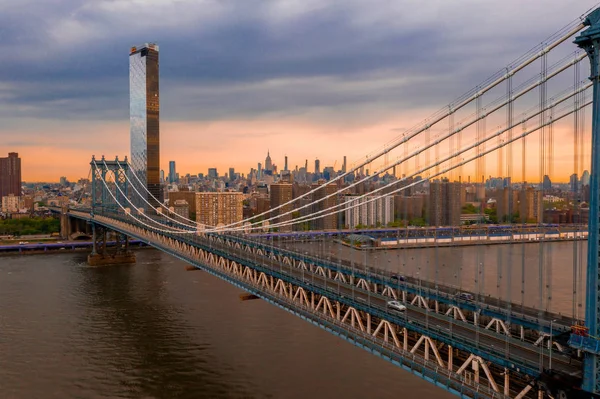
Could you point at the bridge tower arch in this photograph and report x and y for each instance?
(109, 203)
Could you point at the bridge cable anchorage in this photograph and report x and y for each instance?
(323, 213)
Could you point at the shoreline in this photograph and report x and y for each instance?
(471, 243)
(56, 248)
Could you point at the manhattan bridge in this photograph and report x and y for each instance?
(517, 324)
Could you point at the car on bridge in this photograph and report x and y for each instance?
(398, 277)
(465, 296)
(396, 306)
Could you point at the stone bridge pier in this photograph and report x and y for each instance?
(103, 254)
(73, 228)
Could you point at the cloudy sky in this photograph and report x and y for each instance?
(310, 79)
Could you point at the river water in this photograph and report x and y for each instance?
(537, 275)
(153, 330)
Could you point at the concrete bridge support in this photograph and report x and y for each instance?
(103, 255)
(73, 228)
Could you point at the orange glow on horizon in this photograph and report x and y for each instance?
(197, 146)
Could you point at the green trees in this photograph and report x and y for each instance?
(420, 222)
(27, 226)
(470, 209)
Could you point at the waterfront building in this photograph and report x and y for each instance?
(370, 211)
(214, 208)
(328, 222)
(10, 203)
(10, 175)
(444, 203)
(280, 194)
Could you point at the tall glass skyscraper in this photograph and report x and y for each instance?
(144, 119)
(172, 172)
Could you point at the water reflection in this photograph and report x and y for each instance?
(152, 330)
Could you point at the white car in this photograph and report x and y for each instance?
(396, 306)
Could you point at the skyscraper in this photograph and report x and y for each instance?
(317, 166)
(268, 163)
(10, 175)
(172, 172)
(144, 117)
(585, 178)
(285, 167)
(574, 183)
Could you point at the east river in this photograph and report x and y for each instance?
(153, 330)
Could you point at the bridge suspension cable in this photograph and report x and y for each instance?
(499, 77)
(526, 87)
(319, 214)
(519, 64)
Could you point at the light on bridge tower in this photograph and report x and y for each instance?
(589, 40)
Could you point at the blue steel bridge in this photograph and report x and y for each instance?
(464, 339)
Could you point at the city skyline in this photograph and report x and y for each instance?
(216, 114)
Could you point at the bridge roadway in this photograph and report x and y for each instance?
(480, 337)
(531, 318)
(418, 365)
(499, 349)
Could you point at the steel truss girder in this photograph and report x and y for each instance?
(463, 345)
(380, 279)
(248, 277)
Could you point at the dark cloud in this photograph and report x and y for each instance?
(245, 59)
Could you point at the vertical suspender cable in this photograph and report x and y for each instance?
(550, 247)
(523, 209)
(507, 187)
(577, 276)
(581, 131)
(535, 199)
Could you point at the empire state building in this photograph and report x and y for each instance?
(268, 163)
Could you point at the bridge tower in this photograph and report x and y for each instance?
(589, 40)
(102, 200)
(109, 200)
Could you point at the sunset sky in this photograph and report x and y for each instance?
(310, 79)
